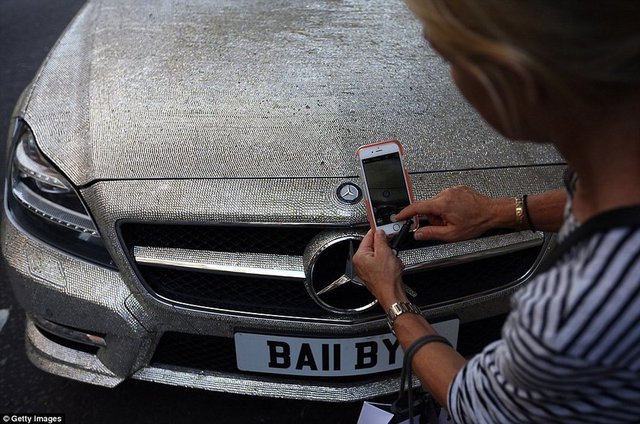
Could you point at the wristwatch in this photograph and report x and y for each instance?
(398, 309)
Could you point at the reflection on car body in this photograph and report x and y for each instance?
(174, 208)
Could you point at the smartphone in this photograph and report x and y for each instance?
(386, 182)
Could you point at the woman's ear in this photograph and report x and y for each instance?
(532, 102)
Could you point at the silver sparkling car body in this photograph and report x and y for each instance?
(243, 116)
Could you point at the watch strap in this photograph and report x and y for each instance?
(398, 309)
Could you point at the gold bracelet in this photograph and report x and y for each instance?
(519, 212)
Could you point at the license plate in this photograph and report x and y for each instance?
(326, 357)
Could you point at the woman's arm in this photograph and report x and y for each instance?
(546, 210)
(435, 364)
(461, 213)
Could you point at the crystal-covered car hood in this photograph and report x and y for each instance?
(238, 89)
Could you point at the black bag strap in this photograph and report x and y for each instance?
(628, 217)
(427, 404)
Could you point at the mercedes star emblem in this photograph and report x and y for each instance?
(349, 193)
(331, 279)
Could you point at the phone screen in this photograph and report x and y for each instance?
(387, 189)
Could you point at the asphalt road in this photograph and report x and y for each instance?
(28, 29)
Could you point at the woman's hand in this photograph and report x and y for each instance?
(380, 269)
(460, 213)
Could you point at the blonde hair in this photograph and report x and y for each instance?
(584, 47)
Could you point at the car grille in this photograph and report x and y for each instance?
(283, 295)
(255, 238)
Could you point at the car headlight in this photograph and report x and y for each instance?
(45, 204)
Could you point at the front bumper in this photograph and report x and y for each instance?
(74, 294)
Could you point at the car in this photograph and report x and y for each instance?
(182, 195)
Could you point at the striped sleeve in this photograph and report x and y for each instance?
(570, 351)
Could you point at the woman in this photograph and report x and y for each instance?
(547, 71)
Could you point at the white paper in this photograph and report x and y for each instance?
(372, 413)
(378, 413)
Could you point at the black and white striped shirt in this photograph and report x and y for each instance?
(570, 348)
